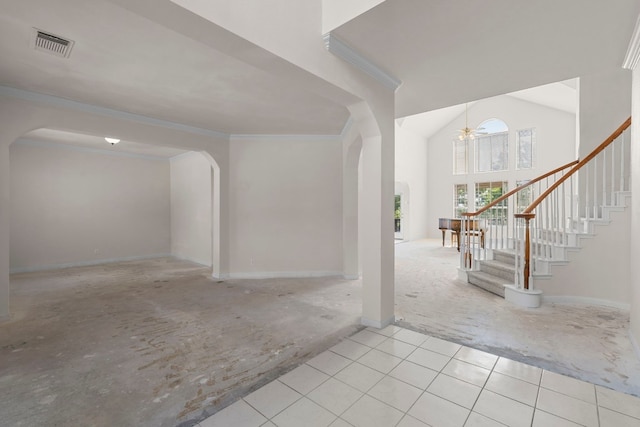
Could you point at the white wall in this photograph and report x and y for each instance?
(605, 104)
(635, 213)
(411, 169)
(73, 207)
(555, 139)
(191, 213)
(285, 207)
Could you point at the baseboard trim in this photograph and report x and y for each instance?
(85, 263)
(351, 276)
(283, 274)
(376, 323)
(585, 301)
(195, 261)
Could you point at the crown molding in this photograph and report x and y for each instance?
(347, 53)
(632, 57)
(285, 137)
(108, 112)
(103, 111)
(62, 146)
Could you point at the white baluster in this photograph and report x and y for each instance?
(595, 188)
(622, 159)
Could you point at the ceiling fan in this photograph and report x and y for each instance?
(467, 133)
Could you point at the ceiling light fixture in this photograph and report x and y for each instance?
(112, 141)
(467, 133)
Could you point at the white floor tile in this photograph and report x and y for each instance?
(503, 409)
(397, 348)
(304, 413)
(619, 402)
(329, 362)
(477, 420)
(441, 346)
(476, 357)
(544, 419)
(413, 374)
(335, 396)
(569, 386)
(304, 378)
(408, 421)
(340, 423)
(380, 361)
(609, 418)
(455, 390)
(410, 337)
(239, 414)
(429, 359)
(396, 393)
(350, 349)
(436, 411)
(272, 398)
(567, 407)
(368, 412)
(368, 338)
(512, 388)
(467, 372)
(359, 376)
(519, 370)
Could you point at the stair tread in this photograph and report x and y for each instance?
(493, 263)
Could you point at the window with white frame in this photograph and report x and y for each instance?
(525, 148)
(460, 200)
(460, 157)
(487, 192)
(492, 152)
(524, 197)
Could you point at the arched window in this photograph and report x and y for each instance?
(492, 146)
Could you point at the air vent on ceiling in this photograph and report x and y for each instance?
(51, 43)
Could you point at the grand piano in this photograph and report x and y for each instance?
(455, 225)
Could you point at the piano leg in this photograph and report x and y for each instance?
(443, 233)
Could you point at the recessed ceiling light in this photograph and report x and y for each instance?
(112, 141)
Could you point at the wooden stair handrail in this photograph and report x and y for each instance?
(624, 126)
(515, 190)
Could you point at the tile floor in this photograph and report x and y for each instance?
(398, 377)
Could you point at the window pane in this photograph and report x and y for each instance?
(524, 197)
(486, 192)
(492, 152)
(460, 200)
(460, 157)
(526, 146)
(483, 152)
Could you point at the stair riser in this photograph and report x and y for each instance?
(487, 286)
(498, 272)
(504, 257)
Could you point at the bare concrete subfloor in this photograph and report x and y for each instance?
(154, 343)
(159, 343)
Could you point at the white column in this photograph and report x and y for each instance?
(350, 208)
(377, 215)
(220, 214)
(635, 211)
(5, 227)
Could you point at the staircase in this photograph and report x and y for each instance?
(577, 207)
(493, 274)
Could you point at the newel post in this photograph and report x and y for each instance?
(526, 271)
